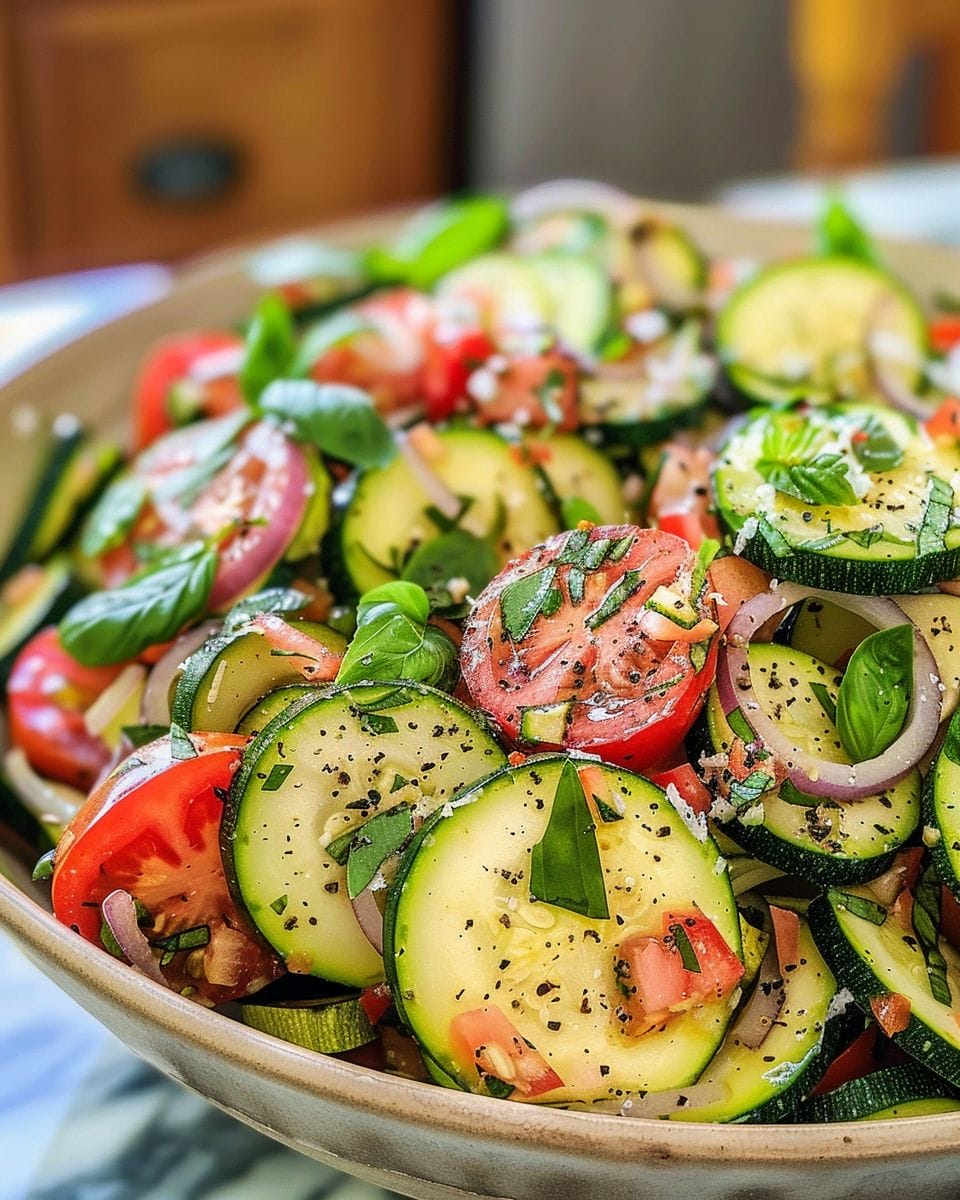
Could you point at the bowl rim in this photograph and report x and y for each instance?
(586, 1135)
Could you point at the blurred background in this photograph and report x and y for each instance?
(156, 129)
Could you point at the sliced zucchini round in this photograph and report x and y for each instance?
(270, 706)
(580, 298)
(572, 468)
(388, 515)
(33, 596)
(463, 931)
(874, 956)
(225, 678)
(504, 288)
(800, 329)
(818, 840)
(321, 768)
(941, 809)
(767, 1082)
(851, 498)
(901, 1091)
(327, 1027)
(670, 263)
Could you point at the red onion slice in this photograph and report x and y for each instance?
(120, 913)
(766, 1000)
(835, 781)
(369, 917)
(155, 705)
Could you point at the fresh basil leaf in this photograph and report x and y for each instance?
(440, 238)
(825, 700)
(333, 331)
(741, 726)
(270, 600)
(576, 585)
(875, 447)
(394, 641)
(181, 747)
(338, 419)
(374, 842)
(628, 583)
(708, 551)
(376, 724)
(142, 735)
(790, 794)
(454, 555)
(744, 793)
(43, 869)
(111, 626)
(574, 546)
(575, 509)
(270, 349)
(777, 543)
(565, 866)
(688, 956)
(860, 906)
(875, 693)
(279, 905)
(114, 515)
(865, 537)
(936, 517)
(276, 777)
(840, 234)
(926, 922)
(822, 480)
(522, 600)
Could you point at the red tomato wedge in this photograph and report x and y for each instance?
(945, 422)
(203, 364)
(452, 355)
(689, 785)
(492, 1044)
(547, 632)
(945, 332)
(153, 829)
(48, 693)
(243, 484)
(531, 391)
(657, 984)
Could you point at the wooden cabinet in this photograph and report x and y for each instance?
(157, 128)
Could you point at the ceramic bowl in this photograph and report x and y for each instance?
(417, 1139)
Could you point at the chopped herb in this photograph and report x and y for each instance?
(744, 793)
(374, 842)
(44, 867)
(825, 700)
(688, 955)
(865, 537)
(860, 906)
(181, 747)
(279, 905)
(522, 600)
(616, 597)
(187, 939)
(565, 866)
(926, 921)
(375, 724)
(576, 585)
(496, 1087)
(141, 735)
(936, 517)
(740, 726)
(709, 549)
(777, 543)
(875, 447)
(399, 781)
(790, 794)
(275, 779)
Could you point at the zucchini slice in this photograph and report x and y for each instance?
(767, 1082)
(326, 1026)
(800, 329)
(225, 678)
(571, 468)
(580, 298)
(321, 768)
(270, 706)
(462, 931)
(851, 498)
(505, 289)
(32, 597)
(906, 1090)
(821, 841)
(941, 809)
(875, 957)
(388, 515)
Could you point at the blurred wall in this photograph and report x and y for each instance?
(667, 97)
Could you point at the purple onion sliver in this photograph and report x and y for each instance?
(120, 913)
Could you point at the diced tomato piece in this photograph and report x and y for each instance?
(786, 934)
(688, 783)
(735, 581)
(945, 332)
(450, 360)
(533, 391)
(945, 422)
(485, 1038)
(891, 1011)
(375, 1001)
(691, 525)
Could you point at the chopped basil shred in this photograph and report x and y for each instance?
(565, 866)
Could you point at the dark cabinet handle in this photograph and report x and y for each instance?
(188, 171)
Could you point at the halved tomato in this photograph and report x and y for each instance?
(490, 1042)
(242, 483)
(195, 372)
(688, 966)
(572, 631)
(153, 829)
(47, 695)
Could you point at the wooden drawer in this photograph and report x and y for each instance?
(160, 127)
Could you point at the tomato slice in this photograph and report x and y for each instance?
(452, 355)
(654, 980)
(47, 695)
(632, 698)
(153, 829)
(196, 361)
(243, 484)
(485, 1038)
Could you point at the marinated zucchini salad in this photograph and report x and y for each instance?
(524, 657)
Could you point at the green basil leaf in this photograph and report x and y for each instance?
(865, 537)
(114, 515)
(454, 555)
(744, 793)
(394, 641)
(271, 347)
(522, 600)
(565, 866)
(181, 747)
(840, 234)
(688, 956)
(374, 842)
(333, 331)
(276, 777)
(936, 518)
(790, 794)
(926, 922)
(875, 447)
(628, 583)
(142, 735)
(575, 509)
(875, 692)
(822, 480)
(440, 238)
(708, 551)
(860, 906)
(270, 600)
(111, 626)
(778, 544)
(43, 869)
(338, 419)
(741, 726)
(825, 700)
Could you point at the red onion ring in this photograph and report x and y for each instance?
(155, 705)
(120, 913)
(369, 918)
(835, 781)
(766, 1000)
